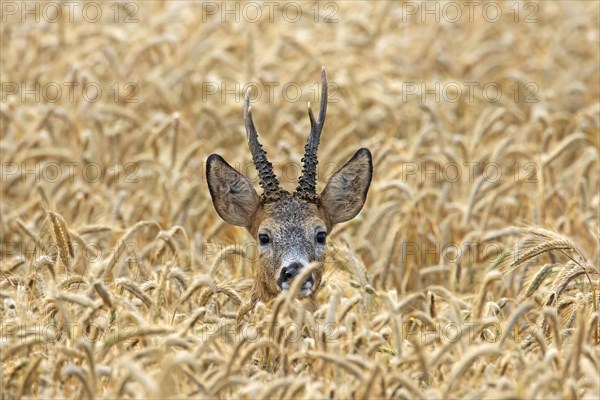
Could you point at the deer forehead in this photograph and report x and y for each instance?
(289, 218)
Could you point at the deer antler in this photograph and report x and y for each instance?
(267, 179)
(307, 185)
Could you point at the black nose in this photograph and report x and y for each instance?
(288, 273)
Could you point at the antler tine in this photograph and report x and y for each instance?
(307, 185)
(267, 179)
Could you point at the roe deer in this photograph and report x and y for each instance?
(290, 228)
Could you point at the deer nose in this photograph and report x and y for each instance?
(289, 272)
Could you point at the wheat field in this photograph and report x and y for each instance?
(471, 272)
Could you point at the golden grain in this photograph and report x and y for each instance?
(119, 280)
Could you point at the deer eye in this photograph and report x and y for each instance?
(321, 237)
(264, 239)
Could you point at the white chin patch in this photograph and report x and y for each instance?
(305, 291)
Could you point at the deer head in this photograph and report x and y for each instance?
(290, 228)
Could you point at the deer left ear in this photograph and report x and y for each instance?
(232, 193)
(346, 192)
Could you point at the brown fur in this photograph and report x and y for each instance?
(290, 222)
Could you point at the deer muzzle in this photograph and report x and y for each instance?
(288, 274)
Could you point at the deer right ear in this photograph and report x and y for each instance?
(232, 193)
(346, 192)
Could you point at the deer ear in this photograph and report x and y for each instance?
(346, 192)
(232, 193)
